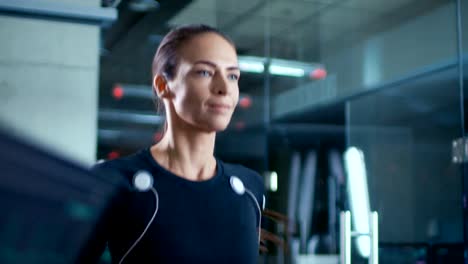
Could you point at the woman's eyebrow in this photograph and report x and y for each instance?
(209, 63)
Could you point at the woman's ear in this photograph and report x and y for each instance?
(160, 86)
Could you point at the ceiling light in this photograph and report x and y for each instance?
(245, 101)
(318, 74)
(281, 67)
(251, 64)
(132, 90)
(286, 71)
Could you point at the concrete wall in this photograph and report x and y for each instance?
(49, 82)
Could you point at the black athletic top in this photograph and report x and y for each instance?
(197, 221)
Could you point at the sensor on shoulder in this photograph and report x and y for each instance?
(142, 181)
(237, 185)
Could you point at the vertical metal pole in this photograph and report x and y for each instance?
(463, 170)
(374, 237)
(345, 237)
(266, 85)
(266, 91)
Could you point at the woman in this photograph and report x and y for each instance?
(201, 210)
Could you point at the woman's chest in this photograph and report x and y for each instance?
(191, 222)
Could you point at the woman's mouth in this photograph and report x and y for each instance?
(219, 107)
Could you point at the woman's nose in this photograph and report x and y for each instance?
(220, 85)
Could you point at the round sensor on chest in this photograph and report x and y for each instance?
(237, 185)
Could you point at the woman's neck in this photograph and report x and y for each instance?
(187, 153)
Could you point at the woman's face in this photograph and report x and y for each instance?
(205, 91)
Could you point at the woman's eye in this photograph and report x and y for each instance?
(233, 77)
(204, 73)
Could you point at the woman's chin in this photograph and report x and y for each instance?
(218, 125)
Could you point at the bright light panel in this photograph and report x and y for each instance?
(276, 66)
(286, 71)
(273, 181)
(359, 196)
(251, 66)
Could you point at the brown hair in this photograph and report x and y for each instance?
(166, 57)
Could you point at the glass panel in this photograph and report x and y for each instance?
(359, 45)
(404, 126)
(405, 133)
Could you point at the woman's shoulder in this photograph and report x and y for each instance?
(125, 166)
(242, 172)
(249, 177)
